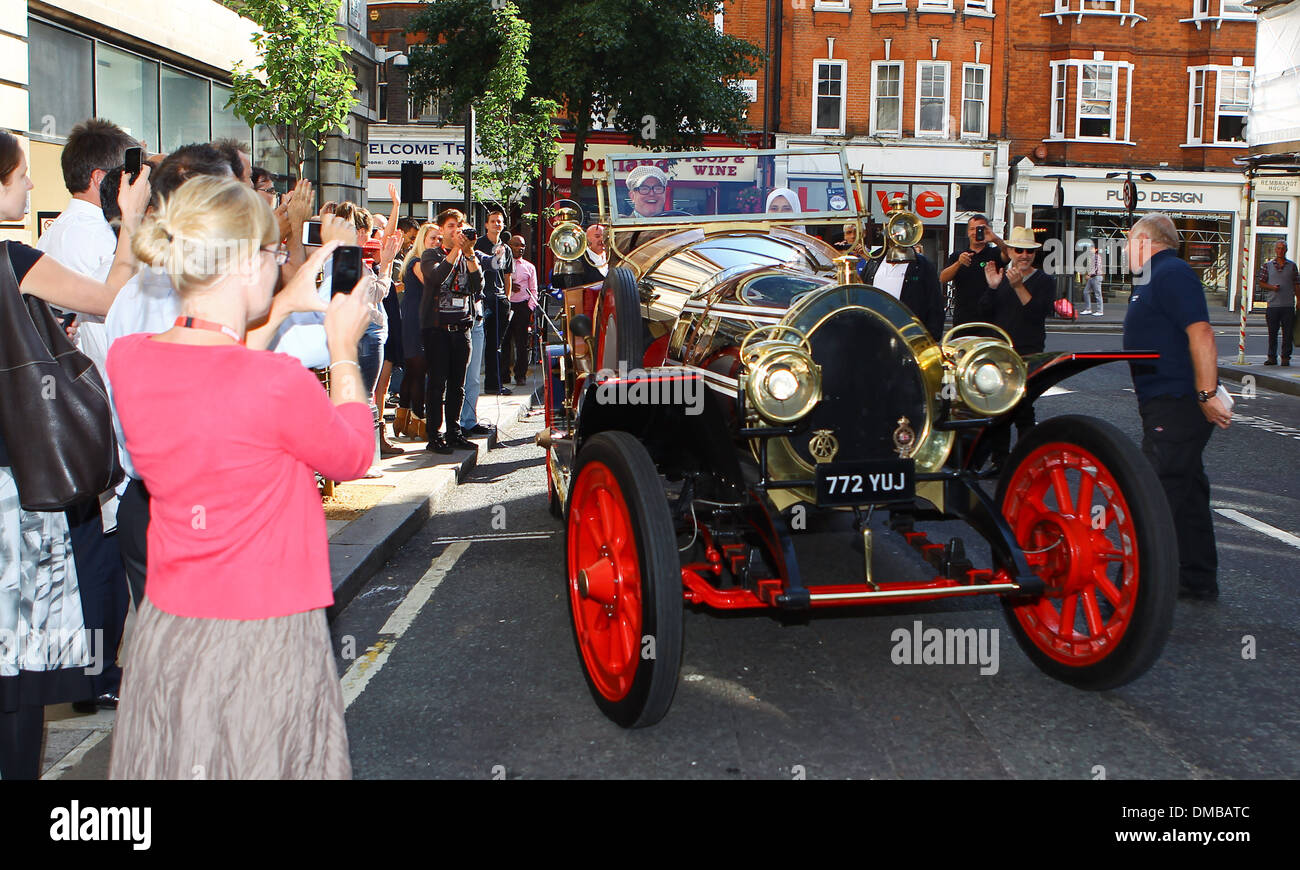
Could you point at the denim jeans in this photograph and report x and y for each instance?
(370, 356)
(473, 379)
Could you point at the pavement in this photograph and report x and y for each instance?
(420, 484)
(1282, 380)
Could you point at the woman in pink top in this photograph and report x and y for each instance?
(230, 673)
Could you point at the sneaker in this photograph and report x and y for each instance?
(1096, 314)
(460, 442)
(438, 445)
(505, 391)
(1089, 311)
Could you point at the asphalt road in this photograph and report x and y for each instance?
(469, 668)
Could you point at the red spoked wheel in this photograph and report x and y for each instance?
(625, 591)
(1092, 518)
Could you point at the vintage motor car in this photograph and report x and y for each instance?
(730, 375)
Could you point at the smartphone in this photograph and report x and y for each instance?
(66, 320)
(979, 233)
(469, 233)
(347, 270)
(134, 156)
(311, 232)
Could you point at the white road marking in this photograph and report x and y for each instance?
(1257, 422)
(502, 536)
(1057, 391)
(373, 659)
(1265, 528)
(73, 758)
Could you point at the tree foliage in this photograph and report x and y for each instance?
(659, 67)
(303, 83)
(516, 132)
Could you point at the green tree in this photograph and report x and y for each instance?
(516, 133)
(304, 84)
(658, 66)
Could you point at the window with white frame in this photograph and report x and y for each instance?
(1097, 101)
(1235, 10)
(1196, 108)
(1233, 102)
(1201, 8)
(1060, 71)
(887, 98)
(828, 96)
(980, 7)
(831, 6)
(888, 5)
(933, 5)
(932, 98)
(975, 101)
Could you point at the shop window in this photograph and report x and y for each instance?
(932, 98)
(225, 123)
(61, 84)
(975, 101)
(126, 91)
(828, 96)
(887, 98)
(186, 111)
(1233, 103)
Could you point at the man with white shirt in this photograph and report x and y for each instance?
(913, 282)
(80, 238)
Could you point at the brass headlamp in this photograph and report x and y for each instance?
(989, 374)
(782, 383)
(903, 231)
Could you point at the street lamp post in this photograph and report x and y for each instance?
(1130, 201)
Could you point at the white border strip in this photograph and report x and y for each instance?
(1265, 528)
(373, 659)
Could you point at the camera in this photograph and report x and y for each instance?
(469, 233)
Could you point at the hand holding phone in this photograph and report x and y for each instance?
(311, 233)
(979, 233)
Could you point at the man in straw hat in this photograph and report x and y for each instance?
(1018, 300)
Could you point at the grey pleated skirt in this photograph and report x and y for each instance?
(230, 699)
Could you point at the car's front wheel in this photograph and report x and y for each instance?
(624, 580)
(1091, 516)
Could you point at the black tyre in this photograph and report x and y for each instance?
(625, 588)
(1091, 515)
(622, 337)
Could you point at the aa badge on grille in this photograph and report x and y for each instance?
(904, 438)
(823, 445)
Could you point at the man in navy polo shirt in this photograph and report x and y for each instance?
(1167, 313)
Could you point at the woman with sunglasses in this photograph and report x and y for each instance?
(230, 674)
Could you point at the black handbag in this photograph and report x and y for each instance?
(55, 415)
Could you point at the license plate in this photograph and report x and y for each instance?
(850, 483)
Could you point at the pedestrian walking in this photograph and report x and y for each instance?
(1278, 277)
(1176, 393)
(230, 674)
(1092, 288)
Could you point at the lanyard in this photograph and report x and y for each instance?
(196, 323)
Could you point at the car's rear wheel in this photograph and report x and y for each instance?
(622, 338)
(625, 591)
(1092, 518)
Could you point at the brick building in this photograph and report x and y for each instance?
(981, 102)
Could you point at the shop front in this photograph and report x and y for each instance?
(1277, 199)
(1087, 207)
(433, 148)
(945, 184)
